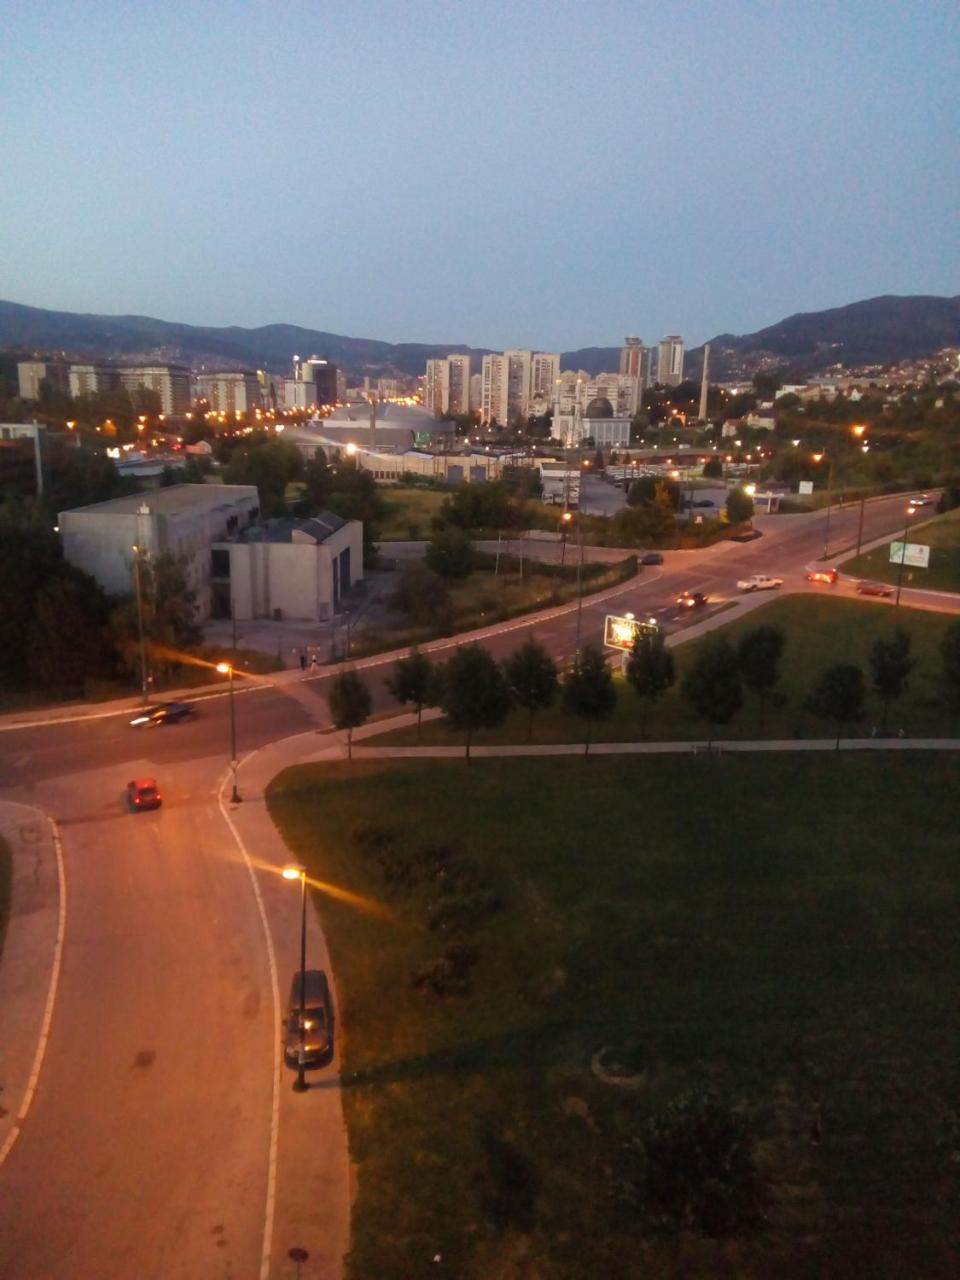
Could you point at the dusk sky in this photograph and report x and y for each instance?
(552, 175)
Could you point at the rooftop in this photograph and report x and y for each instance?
(175, 498)
(318, 528)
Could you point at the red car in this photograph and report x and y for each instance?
(143, 793)
(874, 589)
(822, 575)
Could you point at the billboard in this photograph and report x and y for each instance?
(621, 632)
(912, 553)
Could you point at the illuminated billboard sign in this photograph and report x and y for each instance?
(621, 632)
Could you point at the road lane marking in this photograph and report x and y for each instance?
(267, 1249)
(51, 999)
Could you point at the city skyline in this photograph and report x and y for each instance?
(778, 162)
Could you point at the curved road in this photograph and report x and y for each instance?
(146, 1150)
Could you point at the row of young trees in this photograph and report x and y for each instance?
(476, 692)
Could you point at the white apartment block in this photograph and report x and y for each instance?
(89, 379)
(231, 391)
(512, 381)
(31, 373)
(171, 382)
(635, 360)
(670, 361)
(447, 385)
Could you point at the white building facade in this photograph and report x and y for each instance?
(670, 361)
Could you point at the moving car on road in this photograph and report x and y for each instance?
(691, 599)
(143, 793)
(822, 575)
(163, 713)
(874, 588)
(759, 582)
(651, 557)
(317, 1020)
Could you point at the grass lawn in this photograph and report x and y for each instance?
(6, 873)
(783, 930)
(409, 511)
(941, 535)
(820, 630)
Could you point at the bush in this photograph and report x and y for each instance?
(449, 975)
(450, 554)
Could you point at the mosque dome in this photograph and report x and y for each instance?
(599, 407)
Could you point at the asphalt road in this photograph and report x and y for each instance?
(144, 1152)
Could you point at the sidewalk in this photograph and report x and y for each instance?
(30, 960)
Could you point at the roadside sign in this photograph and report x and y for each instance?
(805, 486)
(620, 633)
(912, 553)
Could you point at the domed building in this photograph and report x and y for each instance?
(599, 407)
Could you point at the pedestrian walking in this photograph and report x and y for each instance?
(303, 661)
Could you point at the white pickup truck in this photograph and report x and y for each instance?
(759, 582)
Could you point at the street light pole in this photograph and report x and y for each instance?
(226, 669)
(826, 538)
(579, 585)
(300, 873)
(903, 552)
(143, 646)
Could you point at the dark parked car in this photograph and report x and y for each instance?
(691, 599)
(143, 793)
(875, 589)
(163, 713)
(704, 502)
(652, 557)
(317, 1020)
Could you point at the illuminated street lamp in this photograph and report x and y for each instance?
(226, 669)
(819, 457)
(140, 634)
(564, 526)
(297, 872)
(911, 510)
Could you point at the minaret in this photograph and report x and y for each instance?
(704, 382)
(373, 421)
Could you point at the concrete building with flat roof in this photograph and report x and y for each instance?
(286, 568)
(184, 519)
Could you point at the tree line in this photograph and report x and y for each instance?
(476, 692)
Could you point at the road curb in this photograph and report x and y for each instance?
(31, 959)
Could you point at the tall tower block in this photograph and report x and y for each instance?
(704, 382)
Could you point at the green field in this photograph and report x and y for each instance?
(409, 511)
(820, 630)
(941, 535)
(784, 930)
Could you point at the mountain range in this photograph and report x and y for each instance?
(875, 331)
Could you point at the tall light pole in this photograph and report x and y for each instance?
(300, 873)
(858, 432)
(564, 524)
(819, 457)
(226, 669)
(140, 634)
(911, 509)
(579, 585)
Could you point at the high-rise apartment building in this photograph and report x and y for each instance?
(171, 382)
(33, 376)
(231, 391)
(635, 361)
(88, 379)
(446, 388)
(514, 382)
(670, 361)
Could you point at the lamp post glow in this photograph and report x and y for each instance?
(911, 510)
(226, 669)
(565, 521)
(819, 457)
(300, 873)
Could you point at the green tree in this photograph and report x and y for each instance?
(588, 690)
(713, 468)
(739, 506)
(651, 489)
(474, 693)
(712, 685)
(349, 701)
(531, 676)
(423, 596)
(838, 696)
(949, 663)
(413, 680)
(450, 553)
(650, 670)
(890, 667)
(169, 610)
(759, 652)
(29, 557)
(270, 465)
(66, 641)
(482, 504)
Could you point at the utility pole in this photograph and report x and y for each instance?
(140, 632)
